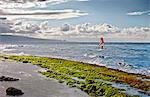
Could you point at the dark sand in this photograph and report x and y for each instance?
(32, 83)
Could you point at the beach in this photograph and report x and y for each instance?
(76, 75)
(32, 83)
(68, 68)
(133, 56)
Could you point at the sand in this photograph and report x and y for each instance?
(32, 83)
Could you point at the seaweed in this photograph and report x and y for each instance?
(85, 76)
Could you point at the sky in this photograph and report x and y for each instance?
(77, 20)
(115, 12)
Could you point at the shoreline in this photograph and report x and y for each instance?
(98, 65)
(32, 83)
(146, 76)
(107, 74)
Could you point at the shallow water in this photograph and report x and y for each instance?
(135, 57)
(126, 88)
(32, 83)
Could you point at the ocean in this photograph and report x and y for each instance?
(129, 57)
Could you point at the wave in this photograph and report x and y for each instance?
(21, 53)
(7, 47)
(90, 55)
(115, 56)
(11, 49)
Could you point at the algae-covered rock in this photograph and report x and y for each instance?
(13, 91)
(90, 78)
(4, 78)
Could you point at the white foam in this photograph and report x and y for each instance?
(91, 55)
(7, 47)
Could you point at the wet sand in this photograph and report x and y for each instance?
(32, 83)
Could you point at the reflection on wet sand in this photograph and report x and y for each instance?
(32, 83)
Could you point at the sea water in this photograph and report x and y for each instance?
(130, 57)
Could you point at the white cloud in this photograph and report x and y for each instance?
(40, 14)
(22, 9)
(7, 4)
(26, 4)
(138, 13)
(77, 32)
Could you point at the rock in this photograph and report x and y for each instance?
(13, 91)
(3, 78)
(25, 62)
(101, 57)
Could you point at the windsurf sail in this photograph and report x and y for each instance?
(101, 43)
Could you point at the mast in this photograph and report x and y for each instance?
(102, 43)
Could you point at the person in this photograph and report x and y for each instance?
(102, 43)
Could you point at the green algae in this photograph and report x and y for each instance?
(84, 76)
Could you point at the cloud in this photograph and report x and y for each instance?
(76, 32)
(40, 14)
(28, 9)
(79, 31)
(138, 13)
(7, 4)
